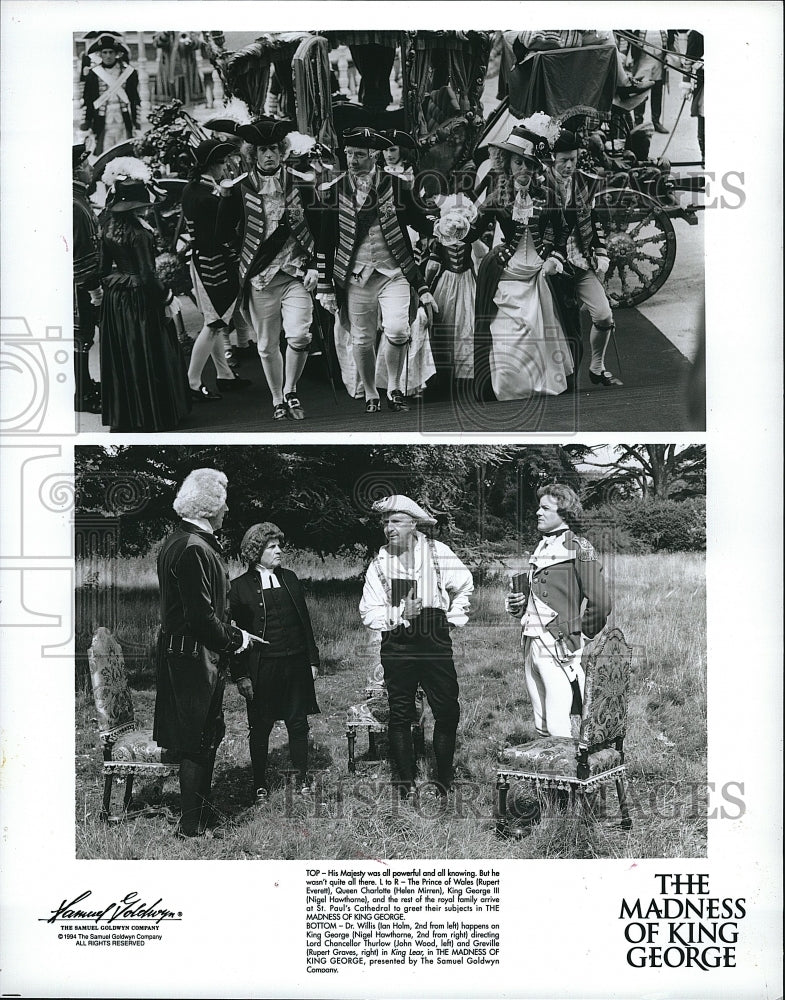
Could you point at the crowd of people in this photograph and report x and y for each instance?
(257, 630)
(481, 288)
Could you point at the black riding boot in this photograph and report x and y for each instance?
(402, 758)
(192, 776)
(444, 752)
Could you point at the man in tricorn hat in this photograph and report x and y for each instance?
(111, 94)
(272, 206)
(587, 256)
(87, 283)
(401, 157)
(416, 590)
(213, 268)
(365, 258)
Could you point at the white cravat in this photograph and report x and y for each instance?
(523, 208)
(269, 184)
(362, 185)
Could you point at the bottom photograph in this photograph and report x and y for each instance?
(390, 652)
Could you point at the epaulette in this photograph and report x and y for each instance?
(586, 551)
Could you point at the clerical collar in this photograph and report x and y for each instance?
(200, 522)
(268, 577)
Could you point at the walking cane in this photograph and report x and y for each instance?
(616, 350)
(676, 123)
(325, 347)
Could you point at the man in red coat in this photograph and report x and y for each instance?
(562, 599)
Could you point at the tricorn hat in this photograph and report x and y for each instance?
(265, 131)
(110, 40)
(400, 138)
(527, 144)
(400, 504)
(567, 142)
(211, 151)
(130, 194)
(365, 138)
(78, 154)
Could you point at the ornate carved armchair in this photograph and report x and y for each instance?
(593, 759)
(128, 752)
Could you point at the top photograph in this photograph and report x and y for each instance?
(388, 232)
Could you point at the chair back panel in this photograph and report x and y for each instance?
(607, 666)
(110, 684)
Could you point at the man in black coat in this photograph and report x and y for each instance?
(195, 644)
(365, 258)
(213, 269)
(276, 677)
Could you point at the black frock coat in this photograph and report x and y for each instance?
(195, 643)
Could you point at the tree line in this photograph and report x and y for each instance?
(322, 496)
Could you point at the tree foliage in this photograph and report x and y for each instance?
(321, 497)
(648, 471)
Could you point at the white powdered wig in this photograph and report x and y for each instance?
(202, 494)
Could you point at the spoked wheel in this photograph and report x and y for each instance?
(641, 244)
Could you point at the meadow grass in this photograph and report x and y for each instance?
(659, 603)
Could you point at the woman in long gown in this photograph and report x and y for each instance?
(520, 347)
(144, 381)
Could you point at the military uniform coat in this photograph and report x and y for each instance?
(391, 202)
(567, 576)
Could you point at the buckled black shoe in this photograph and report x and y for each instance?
(233, 384)
(396, 401)
(203, 393)
(604, 378)
(280, 411)
(296, 411)
(372, 406)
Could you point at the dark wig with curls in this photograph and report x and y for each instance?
(568, 505)
(256, 539)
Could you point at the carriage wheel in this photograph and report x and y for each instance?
(641, 244)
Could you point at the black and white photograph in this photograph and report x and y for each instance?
(397, 651)
(248, 205)
(428, 584)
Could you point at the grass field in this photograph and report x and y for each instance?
(659, 603)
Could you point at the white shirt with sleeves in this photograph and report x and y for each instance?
(452, 597)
